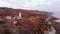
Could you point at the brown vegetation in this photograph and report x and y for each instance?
(28, 24)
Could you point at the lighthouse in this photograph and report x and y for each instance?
(19, 16)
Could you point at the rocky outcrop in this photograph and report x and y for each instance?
(57, 27)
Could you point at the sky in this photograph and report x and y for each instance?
(43, 5)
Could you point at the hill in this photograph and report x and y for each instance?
(28, 22)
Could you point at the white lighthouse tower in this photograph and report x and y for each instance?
(19, 16)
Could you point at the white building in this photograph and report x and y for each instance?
(8, 17)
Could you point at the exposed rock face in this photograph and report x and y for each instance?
(28, 24)
(57, 27)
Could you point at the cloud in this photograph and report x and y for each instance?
(8, 4)
(28, 4)
(32, 4)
